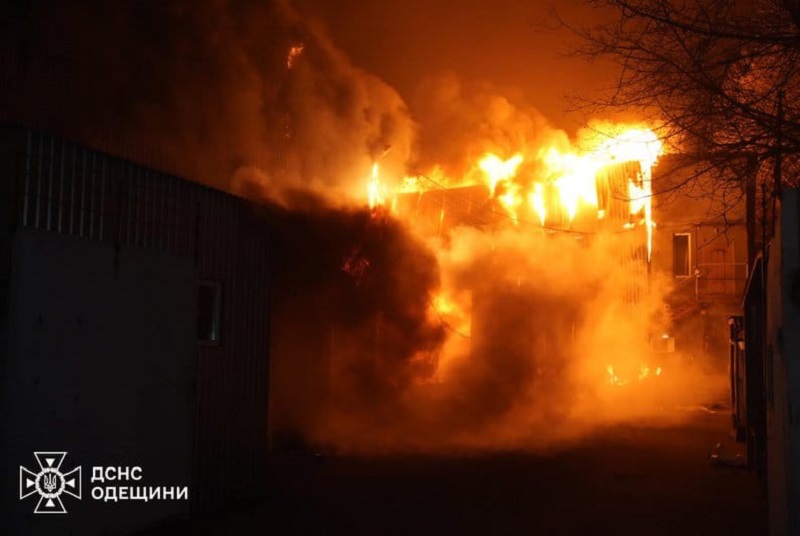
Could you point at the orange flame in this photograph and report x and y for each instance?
(574, 179)
(636, 145)
(568, 179)
(294, 52)
(498, 170)
(562, 184)
(538, 203)
(377, 191)
(555, 186)
(613, 378)
(644, 372)
(452, 313)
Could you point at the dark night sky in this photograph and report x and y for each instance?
(514, 44)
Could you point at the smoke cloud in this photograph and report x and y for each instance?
(460, 122)
(383, 338)
(203, 90)
(547, 321)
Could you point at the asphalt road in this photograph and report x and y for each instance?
(624, 480)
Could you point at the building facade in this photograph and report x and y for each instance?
(700, 245)
(135, 332)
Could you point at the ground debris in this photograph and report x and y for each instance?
(702, 408)
(719, 458)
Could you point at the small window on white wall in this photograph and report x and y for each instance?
(209, 307)
(681, 255)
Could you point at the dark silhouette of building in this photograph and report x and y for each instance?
(134, 331)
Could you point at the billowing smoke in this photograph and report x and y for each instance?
(352, 331)
(203, 90)
(492, 335)
(339, 120)
(460, 122)
(531, 368)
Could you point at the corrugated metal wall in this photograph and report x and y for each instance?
(70, 189)
(231, 436)
(66, 188)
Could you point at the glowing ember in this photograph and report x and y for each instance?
(644, 372)
(294, 52)
(613, 378)
(451, 312)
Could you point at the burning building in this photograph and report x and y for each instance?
(541, 314)
(444, 275)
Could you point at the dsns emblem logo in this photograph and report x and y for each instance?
(49, 482)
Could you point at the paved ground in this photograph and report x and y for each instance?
(625, 480)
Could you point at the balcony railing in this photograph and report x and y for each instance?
(710, 281)
(724, 280)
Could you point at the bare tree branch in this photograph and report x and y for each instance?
(710, 72)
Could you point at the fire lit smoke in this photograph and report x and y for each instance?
(549, 332)
(468, 277)
(543, 321)
(338, 119)
(210, 91)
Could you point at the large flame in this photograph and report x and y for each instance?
(554, 185)
(377, 190)
(551, 187)
(573, 177)
(498, 170)
(541, 298)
